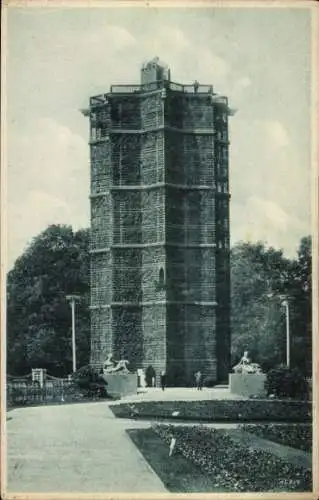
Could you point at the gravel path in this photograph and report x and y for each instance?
(74, 448)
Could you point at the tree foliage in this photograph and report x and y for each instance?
(260, 275)
(38, 316)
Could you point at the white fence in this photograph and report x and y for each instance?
(23, 390)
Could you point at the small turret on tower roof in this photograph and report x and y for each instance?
(154, 71)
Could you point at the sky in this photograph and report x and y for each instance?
(260, 58)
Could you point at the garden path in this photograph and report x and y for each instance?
(84, 448)
(74, 448)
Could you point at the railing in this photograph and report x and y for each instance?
(23, 391)
(152, 86)
(131, 89)
(147, 87)
(200, 89)
(125, 89)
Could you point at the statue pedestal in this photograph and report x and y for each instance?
(121, 384)
(247, 384)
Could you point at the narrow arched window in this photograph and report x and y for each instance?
(161, 277)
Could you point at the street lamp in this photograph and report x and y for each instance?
(285, 303)
(72, 299)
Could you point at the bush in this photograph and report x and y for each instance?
(285, 382)
(90, 382)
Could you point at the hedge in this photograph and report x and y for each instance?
(283, 381)
(218, 410)
(233, 465)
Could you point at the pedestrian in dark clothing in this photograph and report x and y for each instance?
(163, 380)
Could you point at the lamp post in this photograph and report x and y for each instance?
(285, 303)
(72, 300)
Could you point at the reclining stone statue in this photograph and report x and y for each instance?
(112, 366)
(246, 366)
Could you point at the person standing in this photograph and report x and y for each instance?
(198, 379)
(163, 380)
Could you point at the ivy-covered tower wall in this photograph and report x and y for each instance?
(160, 227)
(153, 217)
(190, 235)
(126, 213)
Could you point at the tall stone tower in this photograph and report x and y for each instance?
(160, 280)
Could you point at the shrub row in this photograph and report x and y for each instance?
(287, 382)
(242, 469)
(294, 435)
(218, 410)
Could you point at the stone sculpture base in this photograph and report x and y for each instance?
(247, 384)
(121, 384)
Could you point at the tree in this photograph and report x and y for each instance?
(55, 264)
(259, 275)
(300, 293)
(256, 323)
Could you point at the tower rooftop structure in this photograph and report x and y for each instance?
(156, 75)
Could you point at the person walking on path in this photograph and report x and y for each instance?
(198, 379)
(163, 380)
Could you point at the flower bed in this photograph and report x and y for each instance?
(218, 410)
(240, 468)
(294, 435)
(179, 475)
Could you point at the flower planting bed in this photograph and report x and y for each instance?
(250, 410)
(231, 465)
(295, 435)
(178, 474)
